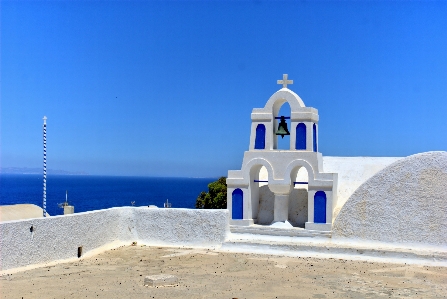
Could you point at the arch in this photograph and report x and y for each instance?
(246, 170)
(260, 137)
(300, 143)
(295, 165)
(282, 96)
(320, 207)
(315, 137)
(237, 207)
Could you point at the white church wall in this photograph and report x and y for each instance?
(352, 172)
(58, 237)
(404, 203)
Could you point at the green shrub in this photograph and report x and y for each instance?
(215, 198)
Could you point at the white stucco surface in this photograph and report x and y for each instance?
(181, 226)
(58, 237)
(404, 203)
(352, 172)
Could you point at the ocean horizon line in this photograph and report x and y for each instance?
(51, 172)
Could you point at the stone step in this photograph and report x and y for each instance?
(277, 231)
(326, 248)
(160, 280)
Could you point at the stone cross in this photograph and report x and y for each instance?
(284, 81)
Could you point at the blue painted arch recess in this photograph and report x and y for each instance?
(260, 137)
(300, 143)
(320, 207)
(237, 204)
(315, 138)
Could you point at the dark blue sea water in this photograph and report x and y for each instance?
(87, 193)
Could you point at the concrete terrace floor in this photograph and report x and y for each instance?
(120, 272)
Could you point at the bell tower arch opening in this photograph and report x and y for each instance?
(262, 199)
(282, 127)
(266, 199)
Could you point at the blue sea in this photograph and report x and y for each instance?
(87, 192)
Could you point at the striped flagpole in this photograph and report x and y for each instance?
(44, 166)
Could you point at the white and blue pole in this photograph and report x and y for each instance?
(44, 166)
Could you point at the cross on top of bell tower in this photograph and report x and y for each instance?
(284, 81)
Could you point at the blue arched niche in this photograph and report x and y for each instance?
(260, 137)
(237, 204)
(300, 143)
(320, 207)
(315, 138)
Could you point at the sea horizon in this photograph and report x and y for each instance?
(50, 171)
(95, 192)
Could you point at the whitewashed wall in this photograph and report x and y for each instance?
(59, 237)
(352, 172)
(405, 202)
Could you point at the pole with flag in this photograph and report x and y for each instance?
(44, 166)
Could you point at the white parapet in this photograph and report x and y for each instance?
(42, 240)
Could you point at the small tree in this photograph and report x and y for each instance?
(215, 198)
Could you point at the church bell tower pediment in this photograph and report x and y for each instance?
(266, 122)
(244, 187)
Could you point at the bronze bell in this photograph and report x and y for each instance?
(282, 128)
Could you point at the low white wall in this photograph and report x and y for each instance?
(58, 237)
(182, 226)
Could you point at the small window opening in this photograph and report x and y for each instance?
(79, 251)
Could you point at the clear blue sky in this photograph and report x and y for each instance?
(166, 88)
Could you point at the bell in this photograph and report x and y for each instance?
(281, 131)
(282, 128)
